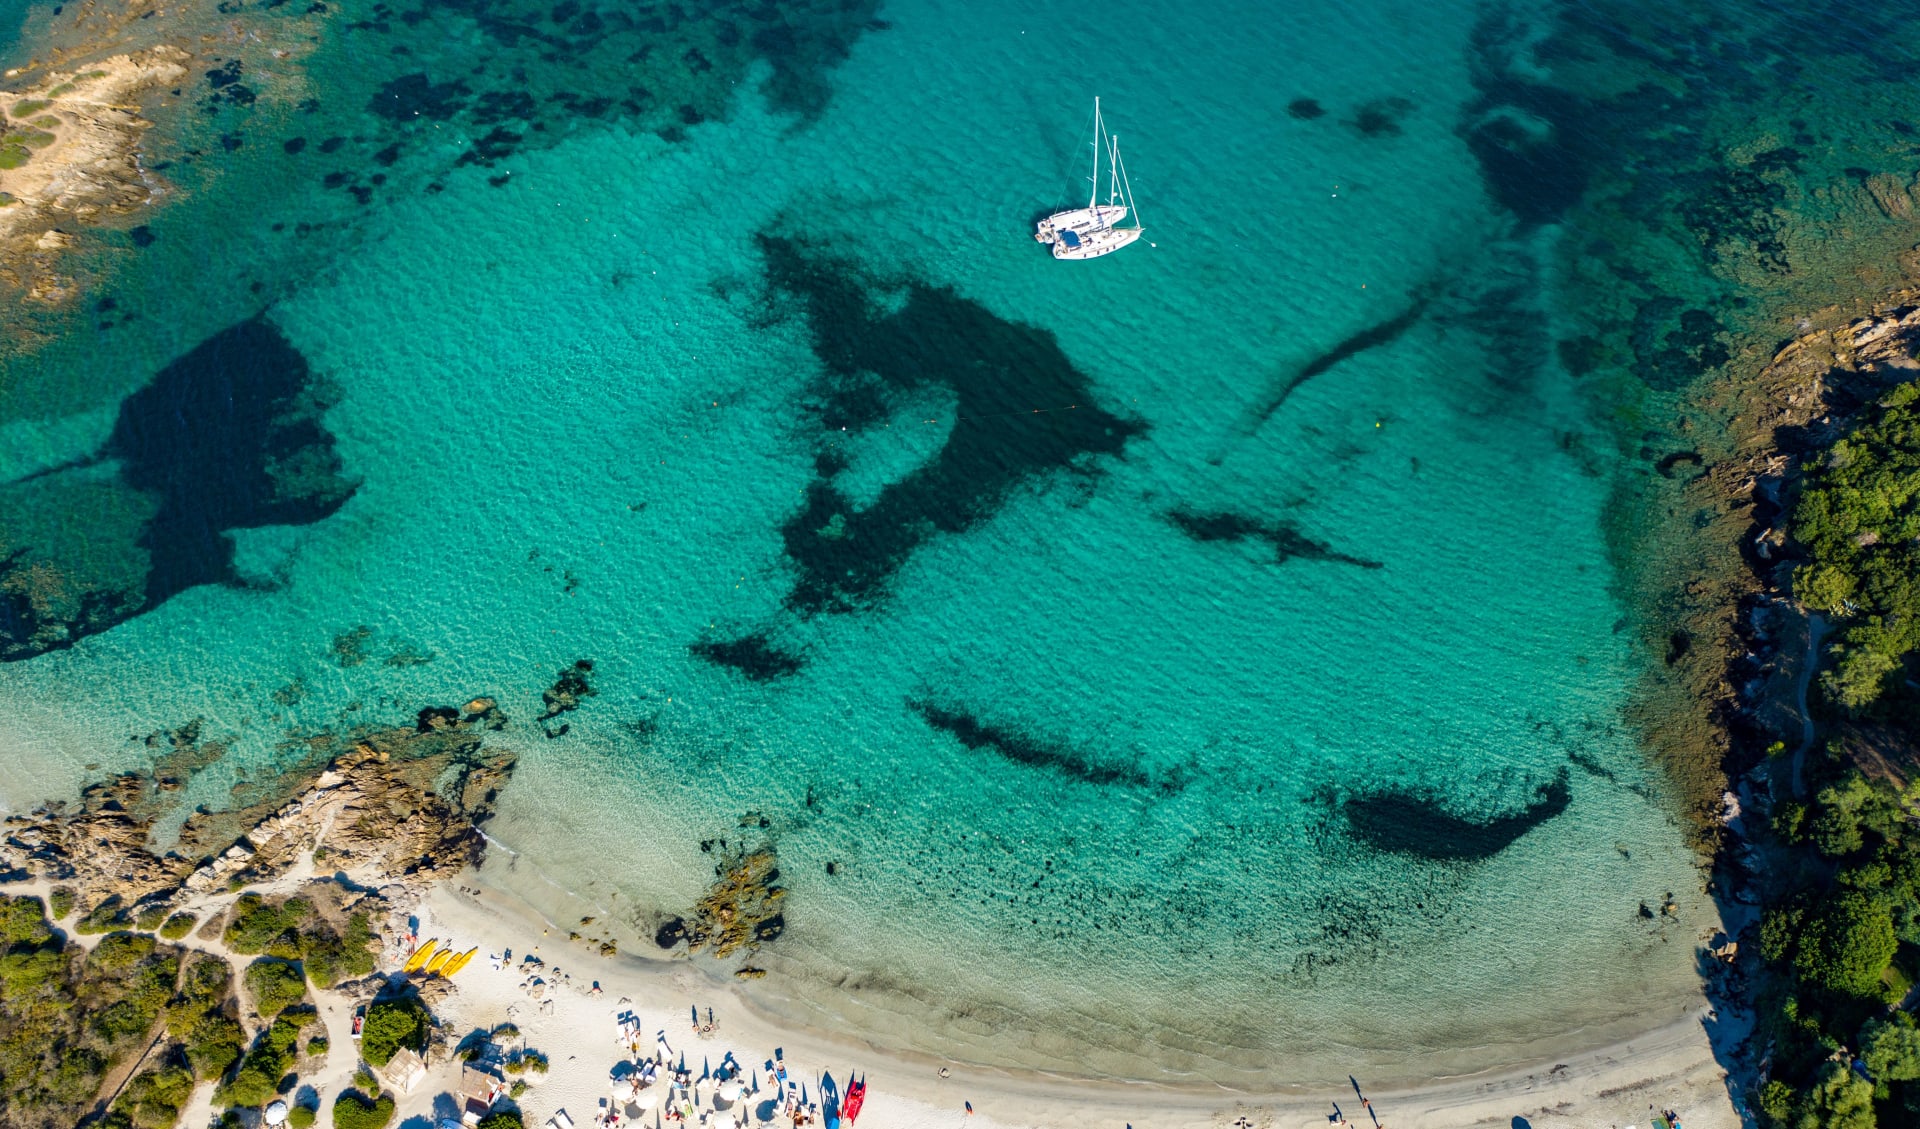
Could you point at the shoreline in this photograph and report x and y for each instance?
(1673, 1066)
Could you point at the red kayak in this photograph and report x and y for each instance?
(856, 1093)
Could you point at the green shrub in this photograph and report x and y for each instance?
(503, 1119)
(260, 1074)
(13, 154)
(108, 915)
(26, 108)
(153, 1099)
(390, 1025)
(364, 1079)
(518, 1088)
(253, 1085)
(301, 1116)
(275, 986)
(149, 918)
(178, 926)
(354, 1110)
(254, 924)
(331, 958)
(60, 899)
(23, 921)
(126, 986)
(213, 1044)
(1857, 518)
(1841, 1099)
(317, 1045)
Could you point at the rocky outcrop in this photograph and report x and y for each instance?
(740, 910)
(71, 143)
(1802, 399)
(395, 807)
(101, 847)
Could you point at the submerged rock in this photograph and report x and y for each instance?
(741, 908)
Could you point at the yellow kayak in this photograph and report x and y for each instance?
(420, 955)
(458, 963)
(441, 958)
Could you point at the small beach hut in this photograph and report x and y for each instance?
(404, 1070)
(478, 1088)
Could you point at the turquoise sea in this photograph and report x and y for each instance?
(1201, 664)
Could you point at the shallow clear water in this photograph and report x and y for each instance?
(1182, 682)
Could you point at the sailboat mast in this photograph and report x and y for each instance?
(1093, 195)
(1120, 168)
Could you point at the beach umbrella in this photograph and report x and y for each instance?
(731, 1091)
(276, 1113)
(647, 1099)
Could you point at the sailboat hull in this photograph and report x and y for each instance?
(1094, 244)
(1081, 220)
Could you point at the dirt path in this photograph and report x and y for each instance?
(1816, 630)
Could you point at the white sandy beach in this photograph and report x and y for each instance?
(1669, 1068)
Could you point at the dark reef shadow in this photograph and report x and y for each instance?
(1373, 337)
(1026, 748)
(1287, 541)
(1418, 823)
(754, 655)
(1024, 412)
(228, 436)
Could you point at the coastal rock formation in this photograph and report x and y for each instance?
(371, 812)
(101, 848)
(69, 151)
(740, 910)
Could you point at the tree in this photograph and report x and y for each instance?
(504, 1119)
(1841, 1099)
(390, 1025)
(354, 1110)
(1891, 1049)
(1847, 945)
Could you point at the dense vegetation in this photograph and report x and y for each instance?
(355, 1110)
(1840, 935)
(1858, 518)
(211, 1039)
(275, 986)
(66, 1018)
(391, 1025)
(290, 930)
(258, 1079)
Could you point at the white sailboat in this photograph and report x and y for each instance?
(1093, 231)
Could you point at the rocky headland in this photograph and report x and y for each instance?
(70, 155)
(394, 810)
